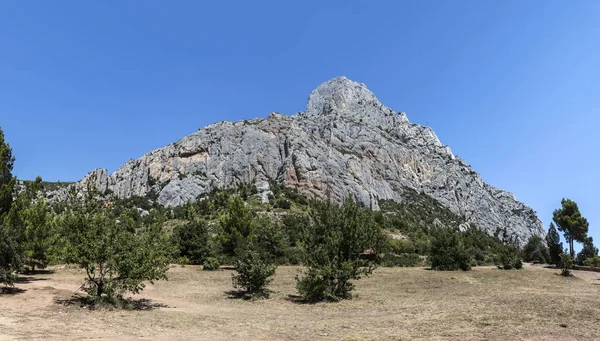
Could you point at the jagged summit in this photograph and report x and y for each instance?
(346, 143)
(342, 96)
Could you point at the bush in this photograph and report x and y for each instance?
(340, 248)
(9, 255)
(447, 251)
(283, 204)
(401, 246)
(269, 238)
(593, 262)
(401, 260)
(535, 251)
(293, 255)
(211, 264)
(191, 242)
(254, 272)
(566, 264)
(508, 258)
(297, 228)
(117, 254)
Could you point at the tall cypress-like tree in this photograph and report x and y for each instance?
(7, 181)
(588, 251)
(555, 246)
(571, 223)
(9, 255)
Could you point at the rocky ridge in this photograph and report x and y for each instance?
(345, 143)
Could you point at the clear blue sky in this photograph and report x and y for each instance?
(511, 86)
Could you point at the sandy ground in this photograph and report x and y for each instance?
(393, 304)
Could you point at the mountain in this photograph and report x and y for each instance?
(345, 143)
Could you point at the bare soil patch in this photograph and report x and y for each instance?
(393, 304)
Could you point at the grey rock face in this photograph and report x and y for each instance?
(345, 143)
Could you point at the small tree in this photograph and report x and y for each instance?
(237, 226)
(10, 251)
(555, 247)
(192, 242)
(570, 221)
(588, 251)
(448, 252)
(116, 254)
(509, 258)
(254, 273)
(7, 181)
(269, 237)
(566, 264)
(342, 246)
(10, 260)
(535, 251)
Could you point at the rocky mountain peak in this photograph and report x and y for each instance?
(346, 143)
(339, 95)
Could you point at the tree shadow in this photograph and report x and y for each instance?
(297, 299)
(243, 295)
(28, 279)
(11, 290)
(40, 272)
(142, 304)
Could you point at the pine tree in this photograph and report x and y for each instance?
(571, 223)
(555, 246)
(237, 226)
(7, 181)
(588, 251)
(9, 248)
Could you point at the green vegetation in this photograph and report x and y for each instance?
(191, 242)
(566, 264)
(343, 245)
(448, 251)
(509, 258)
(123, 243)
(535, 251)
(555, 247)
(117, 253)
(9, 247)
(211, 264)
(588, 251)
(571, 223)
(254, 273)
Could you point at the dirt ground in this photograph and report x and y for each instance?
(393, 304)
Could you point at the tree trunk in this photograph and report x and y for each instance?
(99, 289)
(571, 247)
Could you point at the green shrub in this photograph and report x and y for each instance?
(297, 228)
(191, 242)
(401, 246)
(447, 251)
(254, 272)
(566, 264)
(535, 251)
(182, 260)
(401, 260)
(509, 258)
(336, 251)
(293, 255)
(283, 204)
(210, 264)
(269, 238)
(593, 262)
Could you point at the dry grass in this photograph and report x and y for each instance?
(394, 304)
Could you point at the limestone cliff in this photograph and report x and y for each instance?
(345, 143)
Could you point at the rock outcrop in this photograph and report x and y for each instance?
(345, 143)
